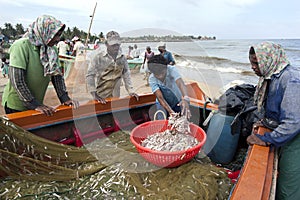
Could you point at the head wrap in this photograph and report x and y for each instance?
(271, 60)
(40, 33)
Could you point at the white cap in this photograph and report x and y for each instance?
(75, 38)
(161, 45)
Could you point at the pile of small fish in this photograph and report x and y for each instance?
(175, 138)
(178, 124)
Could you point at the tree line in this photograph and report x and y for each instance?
(14, 32)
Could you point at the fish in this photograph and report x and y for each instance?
(175, 138)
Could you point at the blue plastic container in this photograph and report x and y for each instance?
(221, 144)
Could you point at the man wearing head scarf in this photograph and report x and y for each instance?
(278, 96)
(33, 63)
(109, 66)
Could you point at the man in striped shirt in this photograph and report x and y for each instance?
(33, 63)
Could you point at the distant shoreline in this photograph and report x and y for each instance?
(144, 39)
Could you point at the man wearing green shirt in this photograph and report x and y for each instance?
(33, 63)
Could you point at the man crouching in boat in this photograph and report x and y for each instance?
(168, 86)
(33, 63)
(278, 93)
(109, 67)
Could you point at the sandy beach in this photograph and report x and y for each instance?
(76, 86)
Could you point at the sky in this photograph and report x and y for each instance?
(224, 19)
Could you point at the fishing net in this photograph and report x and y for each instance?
(107, 168)
(24, 155)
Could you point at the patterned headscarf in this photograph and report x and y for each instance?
(271, 60)
(40, 33)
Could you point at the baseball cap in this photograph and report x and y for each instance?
(161, 45)
(75, 38)
(113, 37)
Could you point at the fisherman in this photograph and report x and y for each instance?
(135, 52)
(144, 67)
(33, 63)
(78, 48)
(168, 86)
(166, 54)
(278, 96)
(109, 66)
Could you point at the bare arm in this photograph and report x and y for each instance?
(185, 102)
(162, 101)
(181, 87)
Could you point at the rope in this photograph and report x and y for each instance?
(204, 108)
(205, 123)
(158, 111)
(274, 178)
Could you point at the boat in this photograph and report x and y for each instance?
(257, 171)
(69, 127)
(135, 63)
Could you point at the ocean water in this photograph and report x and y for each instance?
(219, 62)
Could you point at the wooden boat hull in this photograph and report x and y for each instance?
(94, 120)
(123, 112)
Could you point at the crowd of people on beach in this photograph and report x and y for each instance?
(34, 63)
(72, 47)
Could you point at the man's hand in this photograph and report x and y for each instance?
(47, 110)
(255, 127)
(134, 95)
(73, 103)
(185, 107)
(253, 139)
(97, 98)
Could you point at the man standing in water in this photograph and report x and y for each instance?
(166, 54)
(109, 67)
(277, 93)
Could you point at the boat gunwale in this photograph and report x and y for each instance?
(256, 177)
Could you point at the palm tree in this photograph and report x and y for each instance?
(19, 29)
(76, 32)
(9, 31)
